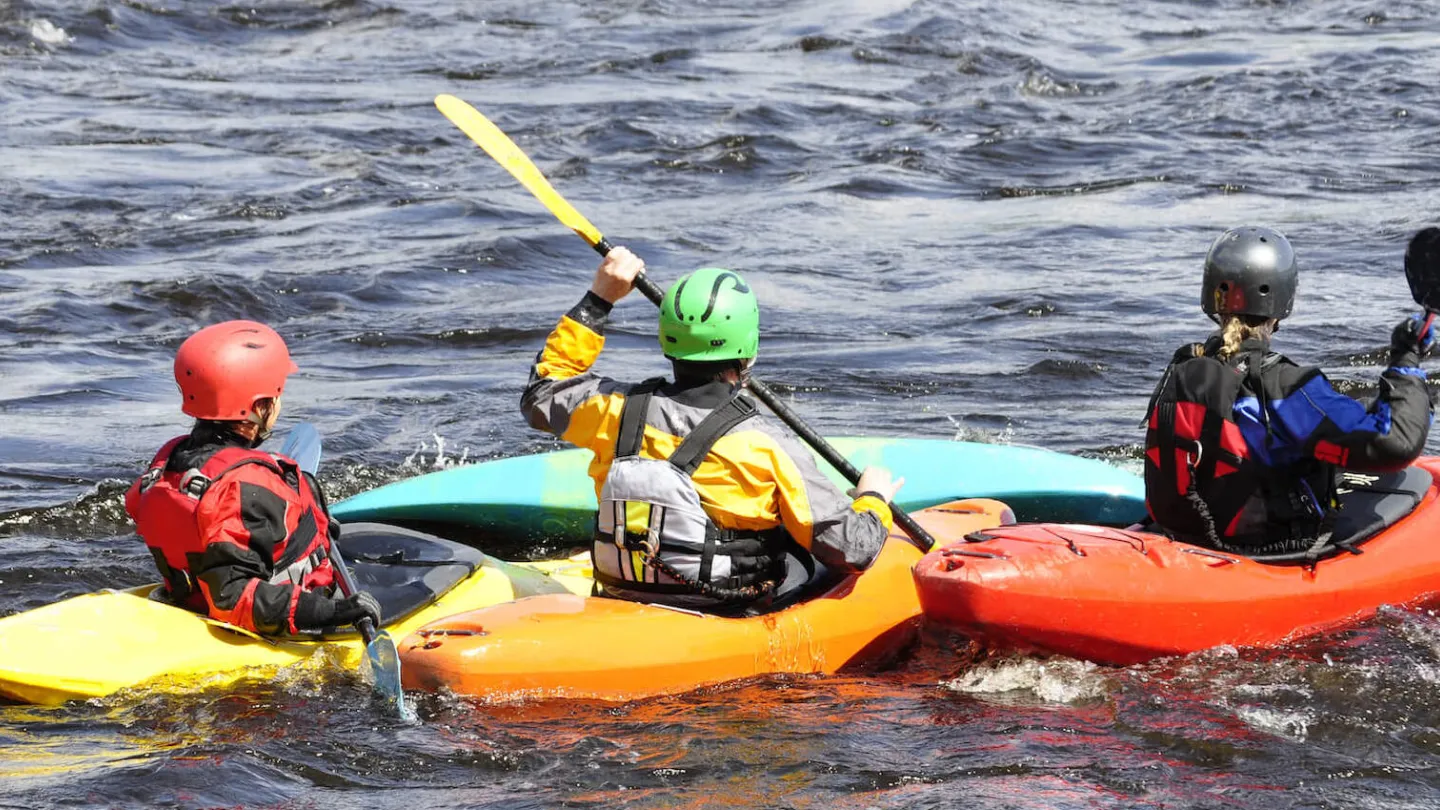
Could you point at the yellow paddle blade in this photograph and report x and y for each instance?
(499, 146)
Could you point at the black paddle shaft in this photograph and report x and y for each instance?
(366, 625)
(917, 533)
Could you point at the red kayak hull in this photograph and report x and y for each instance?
(1121, 597)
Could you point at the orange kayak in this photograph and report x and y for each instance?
(1120, 597)
(562, 645)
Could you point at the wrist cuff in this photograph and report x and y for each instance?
(591, 312)
(872, 502)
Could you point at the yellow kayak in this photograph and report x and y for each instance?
(100, 643)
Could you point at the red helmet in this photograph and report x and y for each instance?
(223, 369)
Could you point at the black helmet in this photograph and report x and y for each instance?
(1249, 271)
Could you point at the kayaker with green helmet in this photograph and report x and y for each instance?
(1243, 446)
(705, 503)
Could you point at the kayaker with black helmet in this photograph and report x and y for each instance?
(704, 503)
(237, 533)
(1243, 445)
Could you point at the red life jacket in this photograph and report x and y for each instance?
(1201, 478)
(1198, 470)
(166, 508)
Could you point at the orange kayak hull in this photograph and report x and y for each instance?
(562, 645)
(1122, 597)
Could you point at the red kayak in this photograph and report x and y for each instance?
(1118, 596)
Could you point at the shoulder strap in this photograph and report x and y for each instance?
(632, 417)
(1187, 352)
(158, 463)
(198, 480)
(722, 420)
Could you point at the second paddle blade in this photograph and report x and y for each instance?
(384, 662)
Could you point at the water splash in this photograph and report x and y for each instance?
(966, 433)
(416, 459)
(1053, 680)
(1294, 725)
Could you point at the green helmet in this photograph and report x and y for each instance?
(710, 314)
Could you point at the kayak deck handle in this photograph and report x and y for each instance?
(1201, 552)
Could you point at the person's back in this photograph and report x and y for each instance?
(1243, 445)
(704, 502)
(237, 533)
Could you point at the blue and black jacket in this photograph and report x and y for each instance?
(1242, 453)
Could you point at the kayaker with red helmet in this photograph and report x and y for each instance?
(237, 533)
(704, 503)
(1243, 445)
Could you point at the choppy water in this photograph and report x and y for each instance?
(964, 219)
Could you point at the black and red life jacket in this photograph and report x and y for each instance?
(1202, 482)
(165, 505)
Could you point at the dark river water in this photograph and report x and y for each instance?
(976, 220)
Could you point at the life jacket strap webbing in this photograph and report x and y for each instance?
(632, 417)
(722, 420)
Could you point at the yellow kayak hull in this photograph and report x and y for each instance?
(97, 644)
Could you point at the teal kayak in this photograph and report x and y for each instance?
(549, 494)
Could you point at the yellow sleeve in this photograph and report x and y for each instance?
(564, 396)
(570, 350)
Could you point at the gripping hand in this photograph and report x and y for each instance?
(877, 481)
(1407, 344)
(355, 607)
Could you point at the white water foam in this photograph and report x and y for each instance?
(1292, 724)
(1056, 680)
(48, 33)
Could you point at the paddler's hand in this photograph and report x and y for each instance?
(616, 276)
(876, 481)
(355, 607)
(1408, 345)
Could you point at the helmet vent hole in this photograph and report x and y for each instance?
(1263, 239)
(1264, 289)
(189, 373)
(192, 397)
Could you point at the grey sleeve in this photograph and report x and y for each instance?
(840, 537)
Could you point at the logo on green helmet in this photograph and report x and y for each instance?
(710, 314)
(720, 279)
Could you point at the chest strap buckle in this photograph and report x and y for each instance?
(193, 483)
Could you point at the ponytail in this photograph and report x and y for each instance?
(1236, 329)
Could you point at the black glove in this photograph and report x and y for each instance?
(353, 608)
(1406, 345)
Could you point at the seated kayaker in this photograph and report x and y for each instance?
(704, 503)
(1243, 445)
(237, 533)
